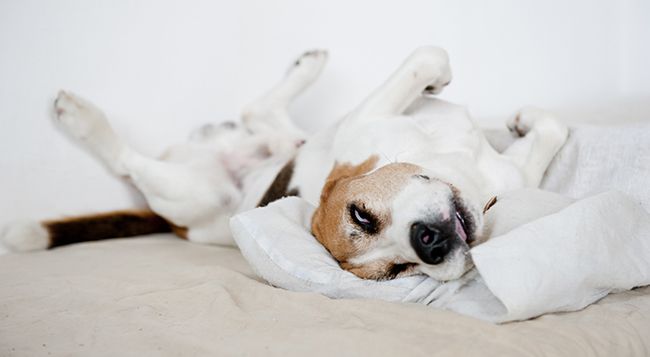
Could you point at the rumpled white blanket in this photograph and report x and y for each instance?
(564, 259)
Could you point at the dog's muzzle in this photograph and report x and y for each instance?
(431, 242)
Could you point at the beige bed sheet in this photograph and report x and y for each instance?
(160, 295)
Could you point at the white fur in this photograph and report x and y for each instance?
(226, 169)
(397, 124)
(221, 171)
(25, 236)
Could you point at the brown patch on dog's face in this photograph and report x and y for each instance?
(353, 212)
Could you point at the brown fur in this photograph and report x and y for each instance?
(280, 186)
(333, 227)
(322, 226)
(490, 203)
(348, 170)
(106, 225)
(181, 232)
(380, 270)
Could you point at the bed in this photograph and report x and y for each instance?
(164, 296)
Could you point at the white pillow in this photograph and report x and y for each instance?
(523, 273)
(278, 244)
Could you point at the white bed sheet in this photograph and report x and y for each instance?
(161, 295)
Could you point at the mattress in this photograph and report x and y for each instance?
(162, 295)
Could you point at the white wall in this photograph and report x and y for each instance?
(161, 68)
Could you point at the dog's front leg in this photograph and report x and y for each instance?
(541, 135)
(425, 71)
(270, 112)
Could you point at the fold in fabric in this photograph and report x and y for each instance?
(555, 254)
(560, 262)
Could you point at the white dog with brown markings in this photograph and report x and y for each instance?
(401, 183)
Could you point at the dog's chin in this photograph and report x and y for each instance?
(456, 264)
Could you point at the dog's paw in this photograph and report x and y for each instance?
(430, 65)
(25, 236)
(309, 65)
(529, 118)
(88, 124)
(80, 117)
(225, 133)
(520, 123)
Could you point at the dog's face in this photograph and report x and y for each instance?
(396, 221)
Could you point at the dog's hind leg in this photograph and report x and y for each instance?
(541, 135)
(187, 195)
(425, 71)
(87, 123)
(269, 113)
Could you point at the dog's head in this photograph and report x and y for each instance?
(397, 221)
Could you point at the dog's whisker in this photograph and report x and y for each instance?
(378, 149)
(398, 154)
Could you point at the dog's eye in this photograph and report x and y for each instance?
(363, 219)
(360, 219)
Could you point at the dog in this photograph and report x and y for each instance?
(401, 183)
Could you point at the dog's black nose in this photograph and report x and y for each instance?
(431, 243)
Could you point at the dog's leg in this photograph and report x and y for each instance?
(425, 71)
(541, 135)
(269, 113)
(88, 124)
(182, 194)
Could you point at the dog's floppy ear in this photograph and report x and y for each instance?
(327, 189)
(344, 171)
(341, 171)
(325, 221)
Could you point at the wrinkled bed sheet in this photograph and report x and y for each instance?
(160, 295)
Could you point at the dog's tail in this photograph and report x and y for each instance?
(32, 235)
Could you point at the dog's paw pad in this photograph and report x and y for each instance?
(310, 63)
(516, 128)
(310, 57)
(25, 236)
(67, 103)
(212, 131)
(435, 88)
(523, 121)
(527, 118)
(77, 115)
